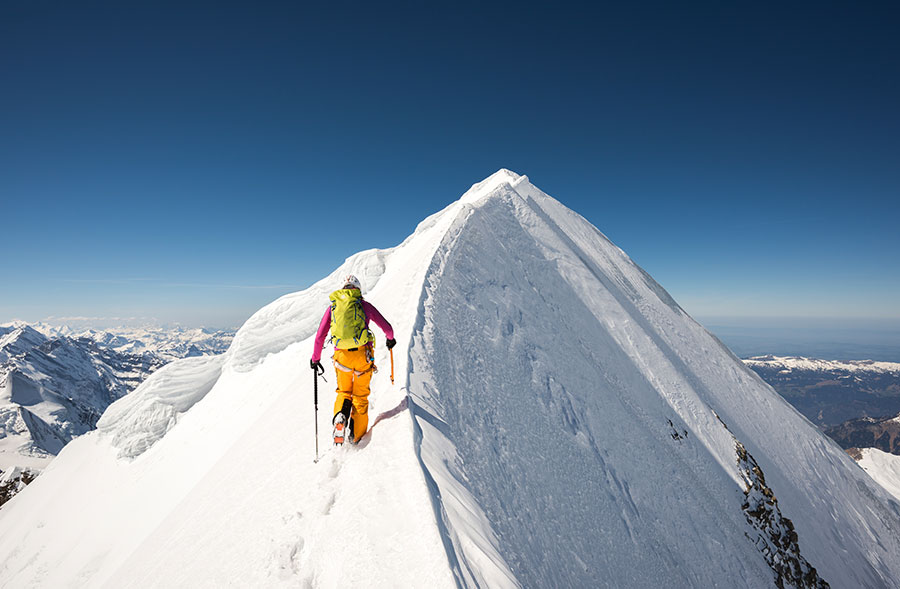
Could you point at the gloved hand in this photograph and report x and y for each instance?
(391, 343)
(317, 366)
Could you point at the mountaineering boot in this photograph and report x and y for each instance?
(341, 421)
(339, 429)
(350, 437)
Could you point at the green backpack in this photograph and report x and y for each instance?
(348, 321)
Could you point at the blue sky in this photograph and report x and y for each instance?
(193, 161)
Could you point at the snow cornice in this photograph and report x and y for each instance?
(492, 183)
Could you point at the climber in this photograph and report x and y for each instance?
(348, 319)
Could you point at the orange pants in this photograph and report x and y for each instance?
(354, 371)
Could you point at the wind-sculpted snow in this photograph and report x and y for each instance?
(296, 316)
(142, 418)
(137, 421)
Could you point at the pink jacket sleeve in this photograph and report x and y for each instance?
(373, 314)
(324, 327)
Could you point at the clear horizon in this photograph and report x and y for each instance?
(815, 337)
(191, 162)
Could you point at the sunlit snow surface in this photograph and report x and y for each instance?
(557, 421)
(883, 467)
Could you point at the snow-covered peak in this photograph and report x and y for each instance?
(817, 365)
(491, 183)
(18, 338)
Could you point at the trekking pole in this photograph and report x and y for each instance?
(316, 408)
(392, 365)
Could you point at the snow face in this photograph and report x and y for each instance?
(884, 468)
(562, 393)
(293, 317)
(557, 420)
(139, 420)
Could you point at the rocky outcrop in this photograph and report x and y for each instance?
(774, 533)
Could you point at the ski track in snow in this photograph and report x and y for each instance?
(555, 422)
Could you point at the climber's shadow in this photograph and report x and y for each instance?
(400, 408)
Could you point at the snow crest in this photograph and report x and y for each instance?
(137, 421)
(294, 317)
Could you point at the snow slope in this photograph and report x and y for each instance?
(204, 475)
(580, 406)
(883, 467)
(557, 421)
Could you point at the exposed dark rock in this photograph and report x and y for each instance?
(775, 536)
(14, 484)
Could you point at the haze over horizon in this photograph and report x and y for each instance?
(191, 162)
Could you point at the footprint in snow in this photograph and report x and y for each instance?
(329, 504)
(289, 559)
(334, 469)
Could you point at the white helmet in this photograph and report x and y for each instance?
(351, 281)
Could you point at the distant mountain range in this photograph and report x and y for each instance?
(868, 432)
(829, 393)
(56, 382)
(168, 343)
(857, 404)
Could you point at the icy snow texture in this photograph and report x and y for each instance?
(135, 422)
(565, 432)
